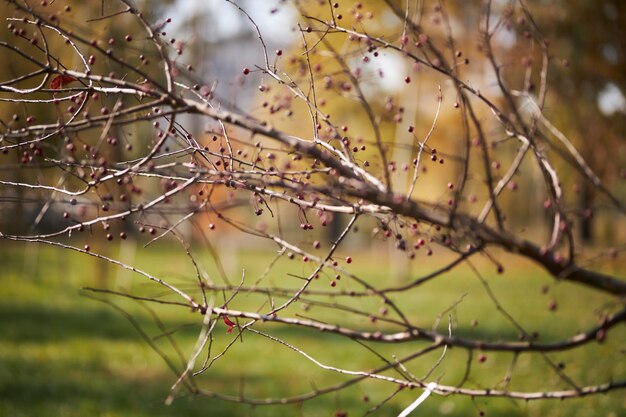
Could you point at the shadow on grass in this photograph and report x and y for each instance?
(42, 323)
(34, 389)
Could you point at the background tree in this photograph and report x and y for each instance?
(423, 135)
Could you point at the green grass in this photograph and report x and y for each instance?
(64, 354)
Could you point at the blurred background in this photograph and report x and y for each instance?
(586, 94)
(63, 353)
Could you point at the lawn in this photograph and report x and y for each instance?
(62, 353)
